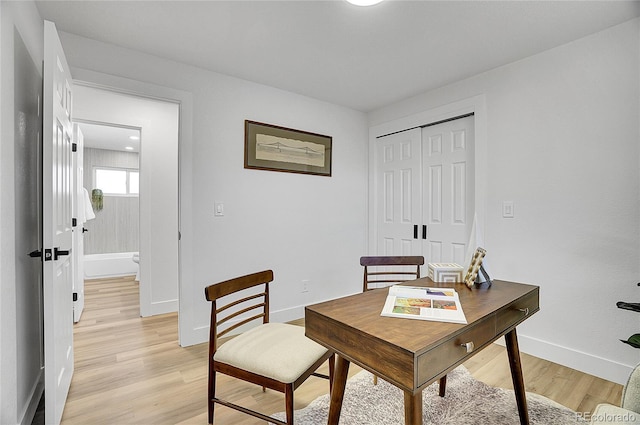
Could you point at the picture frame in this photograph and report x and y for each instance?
(274, 148)
(474, 267)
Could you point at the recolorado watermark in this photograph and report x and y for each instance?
(607, 417)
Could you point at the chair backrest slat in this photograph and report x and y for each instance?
(237, 325)
(230, 286)
(230, 316)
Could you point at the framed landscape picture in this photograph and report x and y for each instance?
(274, 148)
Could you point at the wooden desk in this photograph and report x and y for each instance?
(411, 354)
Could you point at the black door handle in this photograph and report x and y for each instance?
(59, 252)
(84, 229)
(35, 254)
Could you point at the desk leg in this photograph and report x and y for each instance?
(413, 408)
(511, 340)
(340, 376)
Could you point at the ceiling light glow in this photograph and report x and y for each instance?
(364, 2)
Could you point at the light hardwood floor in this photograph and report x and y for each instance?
(131, 370)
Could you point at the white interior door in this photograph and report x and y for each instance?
(398, 193)
(56, 215)
(448, 189)
(77, 253)
(425, 186)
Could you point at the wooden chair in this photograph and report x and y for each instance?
(273, 355)
(391, 270)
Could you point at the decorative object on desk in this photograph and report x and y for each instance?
(474, 267)
(445, 272)
(468, 401)
(274, 148)
(475, 240)
(97, 199)
(484, 273)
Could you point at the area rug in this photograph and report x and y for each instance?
(468, 401)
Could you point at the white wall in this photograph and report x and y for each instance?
(303, 227)
(563, 133)
(20, 383)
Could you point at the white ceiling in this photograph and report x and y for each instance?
(362, 58)
(111, 137)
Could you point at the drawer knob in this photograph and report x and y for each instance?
(524, 310)
(468, 346)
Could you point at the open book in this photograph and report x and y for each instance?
(415, 302)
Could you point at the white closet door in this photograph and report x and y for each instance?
(398, 193)
(448, 189)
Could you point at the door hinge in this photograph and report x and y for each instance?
(75, 296)
(74, 222)
(48, 254)
(74, 147)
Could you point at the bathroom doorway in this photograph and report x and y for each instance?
(111, 179)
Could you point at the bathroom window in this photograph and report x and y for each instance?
(117, 181)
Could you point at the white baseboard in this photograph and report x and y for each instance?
(575, 359)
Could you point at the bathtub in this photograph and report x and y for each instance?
(109, 265)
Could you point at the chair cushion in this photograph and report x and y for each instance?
(276, 350)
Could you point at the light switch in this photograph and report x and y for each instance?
(218, 208)
(507, 209)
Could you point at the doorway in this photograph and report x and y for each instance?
(156, 121)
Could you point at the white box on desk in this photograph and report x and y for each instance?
(445, 272)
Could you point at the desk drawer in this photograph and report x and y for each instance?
(450, 353)
(517, 312)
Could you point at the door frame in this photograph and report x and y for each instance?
(474, 105)
(186, 334)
